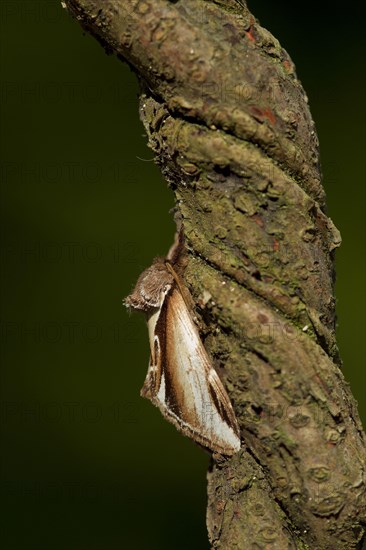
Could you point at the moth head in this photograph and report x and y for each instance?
(151, 288)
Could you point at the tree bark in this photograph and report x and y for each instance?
(231, 129)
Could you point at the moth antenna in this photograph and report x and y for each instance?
(177, 248)
(181, 286)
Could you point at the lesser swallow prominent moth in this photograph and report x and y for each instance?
(181, 380)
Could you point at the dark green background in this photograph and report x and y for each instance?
(87, 464)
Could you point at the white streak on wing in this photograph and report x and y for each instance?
(153, 319)
(161, 393)
(193, 374)
(151, 325)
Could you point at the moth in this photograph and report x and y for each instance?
(180, 380)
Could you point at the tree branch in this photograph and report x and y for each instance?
(232, 132)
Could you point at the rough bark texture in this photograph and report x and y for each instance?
(231, 129)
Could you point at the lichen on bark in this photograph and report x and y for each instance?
(230, 126)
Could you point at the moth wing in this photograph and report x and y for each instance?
(154, 374)
(182, 382)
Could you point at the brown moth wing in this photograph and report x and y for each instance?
(182, 382)
(157, 348)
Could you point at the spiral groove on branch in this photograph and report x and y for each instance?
(230, 126)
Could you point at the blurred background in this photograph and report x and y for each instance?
(85, 462)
